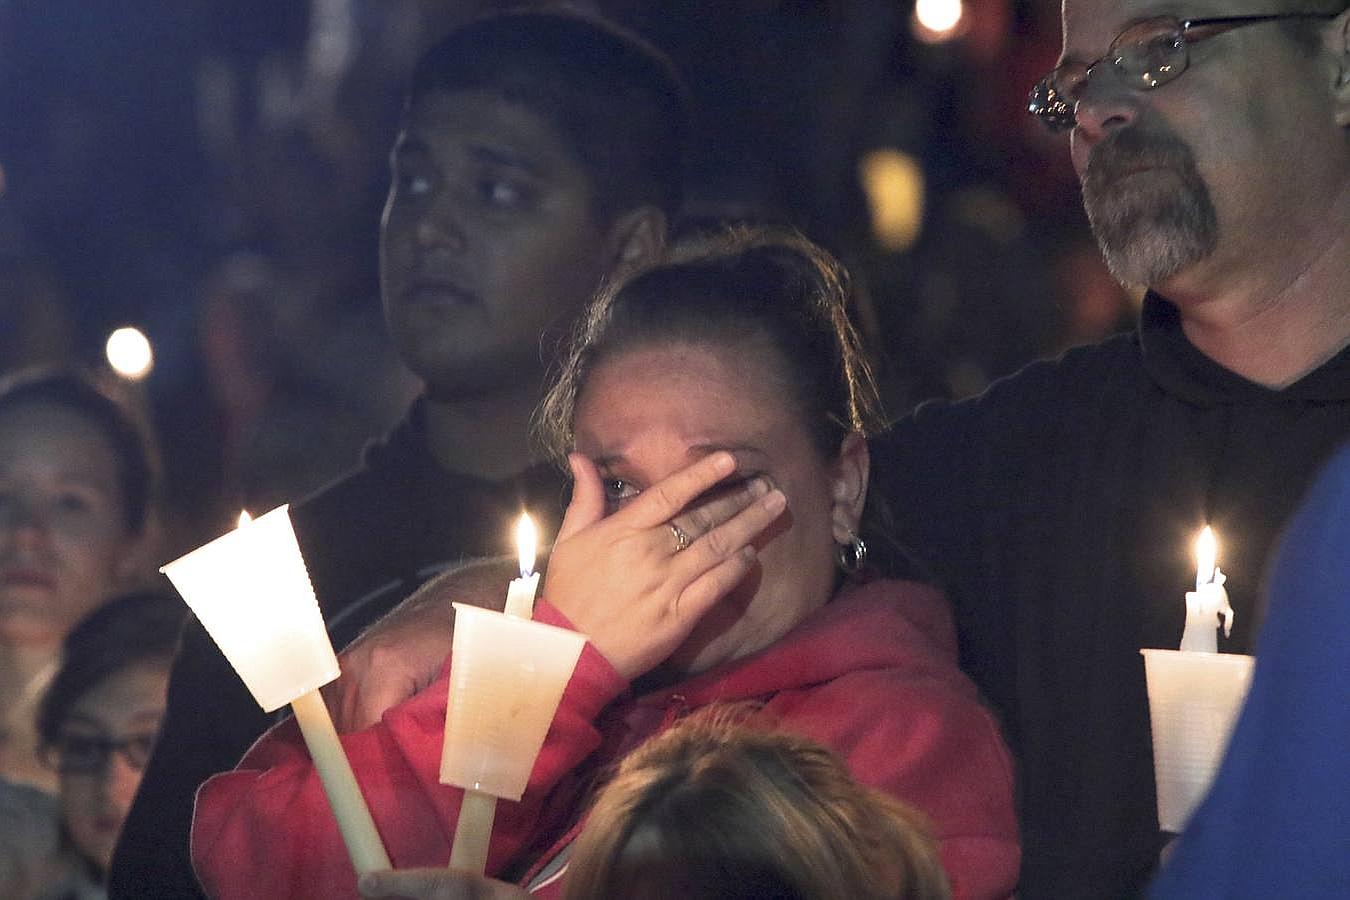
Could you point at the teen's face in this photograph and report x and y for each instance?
(651, 411)
(64, 543)
(1168, 173)
(127, 706)
(488, 241)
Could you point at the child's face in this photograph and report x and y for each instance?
(123, 711)
(488, 241)
(64, 542)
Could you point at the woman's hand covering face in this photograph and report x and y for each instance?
(625, 582)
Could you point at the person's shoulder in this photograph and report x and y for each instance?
(1085, 368)
(345, 492)
(365, 489)
(1082, 368)
(27, 809)
(1022, 406)
(29, 838)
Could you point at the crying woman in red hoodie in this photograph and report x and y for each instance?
(713, 414)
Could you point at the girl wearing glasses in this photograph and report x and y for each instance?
(96, 726)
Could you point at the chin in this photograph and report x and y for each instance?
(21, 627)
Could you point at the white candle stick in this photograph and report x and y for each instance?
(339, 784)
(520, 592)
(473, 832)
(1208, 601)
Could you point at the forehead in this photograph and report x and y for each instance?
(1090, 25)
(50, 433)
(447, 123)
(131, 696)
(710, 391)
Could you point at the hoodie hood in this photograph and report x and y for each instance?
(1180, 369)
(895, 626)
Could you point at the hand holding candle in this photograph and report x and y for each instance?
(251, 591)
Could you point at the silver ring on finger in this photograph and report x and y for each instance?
(681, 536)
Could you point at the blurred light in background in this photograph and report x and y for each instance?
(129, 354)
(893, 184)
(938, 20)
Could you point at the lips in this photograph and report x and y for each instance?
(436, 292)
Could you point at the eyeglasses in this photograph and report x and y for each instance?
(1144, 56)
(89, 754)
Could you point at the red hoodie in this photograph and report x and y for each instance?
(872, 675)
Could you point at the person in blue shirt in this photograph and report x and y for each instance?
(1276, 822)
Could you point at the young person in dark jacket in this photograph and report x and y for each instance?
(538, 153)
(1059, 509)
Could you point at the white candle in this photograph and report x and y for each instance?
(251, 591)
(1208, 601)
(473, 830)
(355, 823)
(520, 592)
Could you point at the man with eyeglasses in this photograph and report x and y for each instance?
(1059, 509)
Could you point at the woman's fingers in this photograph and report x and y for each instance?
(728, 539)
(588, 497)
(704, 591)
(664, 500)
(624, 581)
(700, 520)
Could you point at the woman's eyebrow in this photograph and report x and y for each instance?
(740, 451)
(608, 461)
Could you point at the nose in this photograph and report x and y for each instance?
(120, 782)
(1099, 111)
(439, 227)
(1103, 105)
(22, 520)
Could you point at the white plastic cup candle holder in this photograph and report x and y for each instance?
(1194, 699)
(507, 677)
(251, 591)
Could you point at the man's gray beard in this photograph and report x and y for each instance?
(1148, 232)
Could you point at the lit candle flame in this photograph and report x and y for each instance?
(1206, 552)
(527, 542)
(244, 518)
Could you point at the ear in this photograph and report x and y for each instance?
(849, 487)
(636, 235)
(1338, 38)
